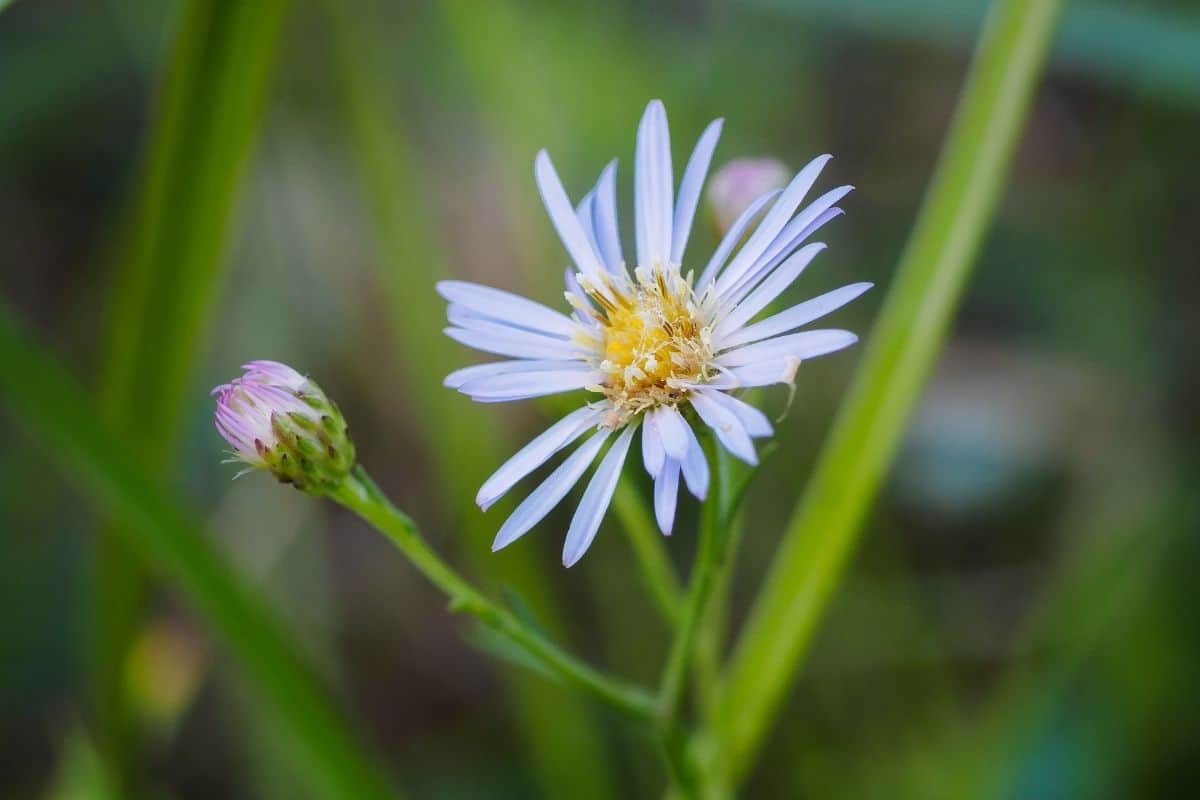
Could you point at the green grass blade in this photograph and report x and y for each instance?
(966, 186)
(47, 402)
(166, 284)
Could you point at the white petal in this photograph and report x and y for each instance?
(460, 376)
(666, 493)
(772, 223)
(583, 212)
(754, 421)
(563, 216)
(652, 446)
(732, 237)
(604, 220)
(803, 224)
(774, 285)
(808, 344)
(794, 317)
(516, 344)
(595, 500)
(653, 187)
(585, 312)
(769, 262)
(761, 373)
(523, 385)
(695, 468)
(505, 306)
(674, 431)
(726, 426)
(467, 318)
(690, 186)
(534, 454)
(545, 497)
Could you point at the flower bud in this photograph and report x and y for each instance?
(739, 183)
(279, 420)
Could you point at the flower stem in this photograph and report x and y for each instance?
(711, 559)
(360, 494)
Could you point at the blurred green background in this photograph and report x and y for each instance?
(188, 185)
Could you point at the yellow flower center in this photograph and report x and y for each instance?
(653, 341)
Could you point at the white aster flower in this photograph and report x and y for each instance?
(663, 348)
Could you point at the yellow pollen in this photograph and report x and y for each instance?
(652, 344)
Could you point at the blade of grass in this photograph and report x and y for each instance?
(165, 288)
(818, 540)
(557, 728)
(47, 402)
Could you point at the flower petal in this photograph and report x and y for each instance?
(772, 223)
(725, 425)
(653, 187)
(794, 317)
(690, 186)
(695, 468)
(470, 319)
(652, 446)
(523, 385)
(673, 429)
(513, 343)
(554, 197)
(666, 494)
(534, 454)
(545, 497)
(774, 285)
(731, 238)
(595, 500)
(460, 376)
(604, 220)
(753, 420)
(808, 344)
(505, 306)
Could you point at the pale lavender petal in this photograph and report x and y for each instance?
(731, 238)
(460, 376)
(673, 429)
(563, 216)
(470, 319)
(695, 468)
(690, 187)
(754, 421)
(653, 187)
(652, 446)
(596, 498)
(534, 454)
(515, 344)
(772, 223)
(794, 317)
(666, 493)
(505, 306)
(522, 385)
(767, 291)
(545, 497)
(604, 220)
(725, 425)
(808, 344)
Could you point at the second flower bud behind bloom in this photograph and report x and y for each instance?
(278, 420)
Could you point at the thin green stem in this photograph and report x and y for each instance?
(363, 497)
(654, 562)
(711, 558)
(929, 282)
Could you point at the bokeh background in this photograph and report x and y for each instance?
(1023, 606)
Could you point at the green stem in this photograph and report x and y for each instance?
(929, 281)
(711, 559)
(654, 562)
(360, 494)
